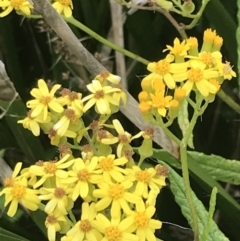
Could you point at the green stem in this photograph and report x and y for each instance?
(210, 214)
(185, 173)
(102, 40)
(229, 101)
(198, 15)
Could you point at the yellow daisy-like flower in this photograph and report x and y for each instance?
(114, 229)
(49, 169)
(106, 76)
(118, 195)
(19, 193)
(101, 97)
(71, 99)
(44, 100)
(110, 168)
(9, 181)
(143, 224)
(84, 229)
(179, 48)
(63, 6)
(225, 70)
(82, 175)
(59, 200)
(210, 59)
(160, 102)
(32, 123)
(19, 5)
(124, 138)
(146, 179)
(198, 76)
(70, 117)
(53, 224)
(164, 69)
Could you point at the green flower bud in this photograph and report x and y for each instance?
(188, 7)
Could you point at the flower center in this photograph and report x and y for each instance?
(51, 219)
(207, 58)
(45, 100)
(113, 233)
(195, 75)
(85, 226)
(18, 191)
(59, 192)
(50, 167)
(83, 175)
(65, 2)
(162, 67)
(116, 191)
(123, 138)
(16, 3)
(143, 176)
(141, 219)
(106, 164)
(70, 114)
(99, 94)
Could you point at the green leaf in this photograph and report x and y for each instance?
(9, 236)
(218, 167)
(225, 202)
(177, 187)
(183, 121)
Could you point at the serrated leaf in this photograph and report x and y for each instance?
(177, 187)
(219, 168)
(9, 236)
(183, 121)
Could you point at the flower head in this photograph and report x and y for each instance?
(179, 48)
(63, 6)
(19, 5)
(44, 99)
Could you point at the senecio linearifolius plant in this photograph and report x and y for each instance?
(118, 195)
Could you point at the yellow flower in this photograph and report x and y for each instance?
(164, 69)
(19, 193)
(82, 175)
(118, 195)
(44, 100)
(49, 169)
(19, 5)
(178, 49)
(9, 181)
(197, 76)
(64, 6)
(32, 123)
(114, 229)
(143, 224)
(70, 117)
(210, 59)
(58, 199)
(160, 102)
(71, 99)
(146, 179)
(53, 224)
(225, 70)
(84, 229)
(124, 138)
(101, 97)
(109, 166)
(105, 76)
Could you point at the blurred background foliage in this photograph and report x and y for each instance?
(30, 50)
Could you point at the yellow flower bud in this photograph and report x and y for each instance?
(179, 94)
(208, 38)
(144, 107)
(143, 96)
(193, 42)
(217, 43)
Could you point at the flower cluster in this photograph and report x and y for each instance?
(183, 70)
(117, 202)
(24, 7)
(59, 114)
